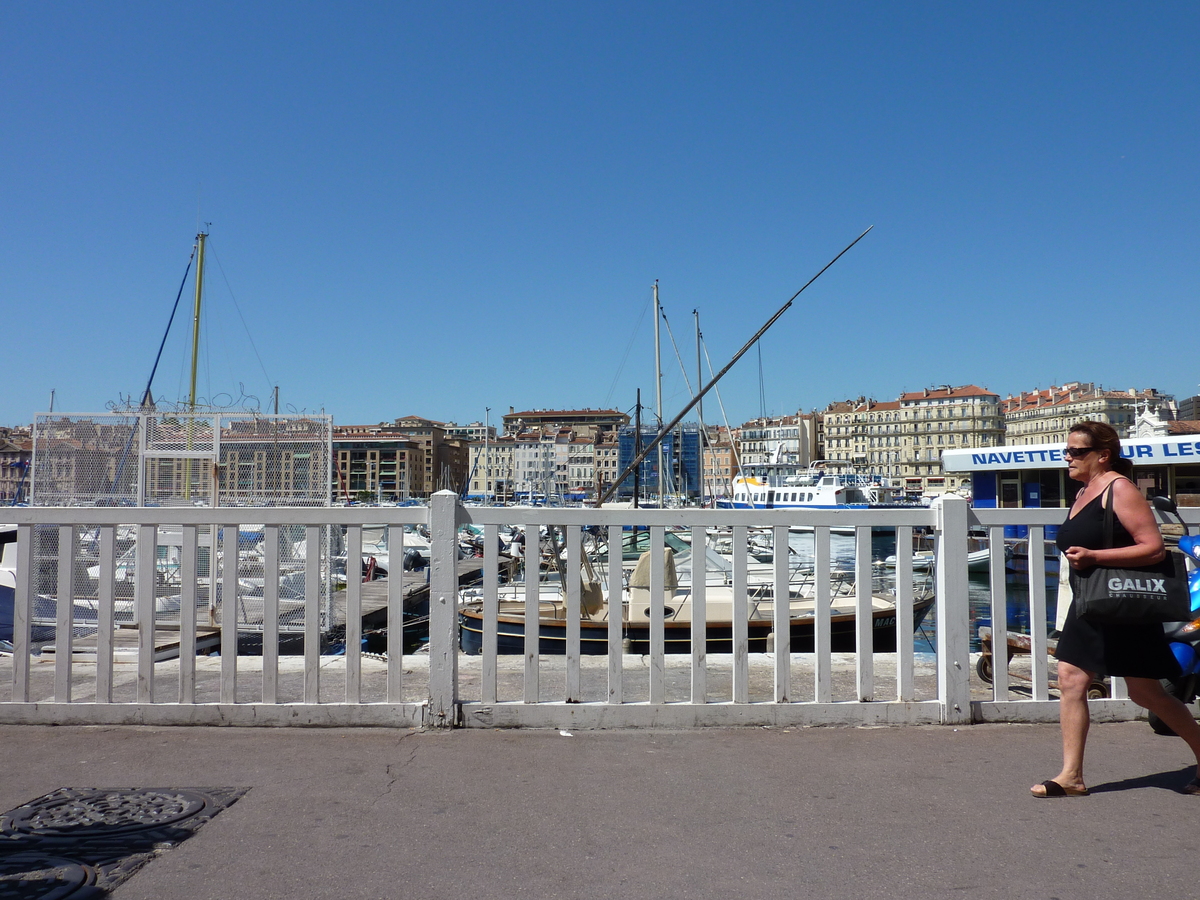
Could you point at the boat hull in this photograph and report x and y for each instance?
(552, 634)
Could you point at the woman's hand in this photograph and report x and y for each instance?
(1080, 557)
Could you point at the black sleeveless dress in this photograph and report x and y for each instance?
(1134, 651)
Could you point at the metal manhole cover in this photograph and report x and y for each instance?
(110, 812)
(77, 843)
(25, 876)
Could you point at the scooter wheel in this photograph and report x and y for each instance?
(1159, 726)
(1181, 690)
(1097, 690)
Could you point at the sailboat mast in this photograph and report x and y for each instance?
(191, 429)
(721, 374)
(637, 446)
(196, 318)
(658, 407)
(703, 436)
(699, 370)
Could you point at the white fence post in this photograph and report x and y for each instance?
(443, 610)
(953, 612)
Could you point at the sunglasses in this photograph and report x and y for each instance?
(1077, 452)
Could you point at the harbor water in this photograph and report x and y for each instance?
(883, 545)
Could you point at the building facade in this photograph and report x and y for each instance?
(1189, 409)
(581, 466)
(680, 456)
(600, 420)
(491, 464)
(937, 419)
(372, 466)
(719, 467)
(447, 460)
(534, 465)
(1045, 416)
(780, 440)
(607, 453)
(16, 456)
(838, 427)
(903, 439)
(476, 431)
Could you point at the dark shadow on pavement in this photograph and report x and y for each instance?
(1169, 781)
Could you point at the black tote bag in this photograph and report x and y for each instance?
(1133, 594)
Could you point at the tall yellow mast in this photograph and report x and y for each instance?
(191, 430)
(196, 317)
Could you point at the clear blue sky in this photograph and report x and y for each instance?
(436, 208)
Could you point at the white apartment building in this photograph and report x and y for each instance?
(534, 464)
(904, 439)
(939, 419)
(581, 465)
(492, 467)
(607, 456)
(785, 440)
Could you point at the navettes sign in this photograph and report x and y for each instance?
(1141, 451)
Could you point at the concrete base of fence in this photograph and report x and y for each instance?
(325, 715)
(404, 704)
(1046, 711)
(689, 715)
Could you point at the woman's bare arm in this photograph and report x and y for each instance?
(1135, 514)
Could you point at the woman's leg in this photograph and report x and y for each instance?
(1149, 693)
(1074, 720)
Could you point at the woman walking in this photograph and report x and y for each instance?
(1088, 651)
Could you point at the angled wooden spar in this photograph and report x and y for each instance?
(666, 429)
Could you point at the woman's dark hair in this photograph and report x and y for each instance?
(1103, 436)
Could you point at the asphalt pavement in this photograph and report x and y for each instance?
(921, 812)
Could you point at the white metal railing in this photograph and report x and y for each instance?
(98, 679)
(698, 706)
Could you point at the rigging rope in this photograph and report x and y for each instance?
(249, 336)
(737, 463)
(163, 343)
(147, 397)
(678, 358)
(762, 395)
(729, 365)
(621, 366)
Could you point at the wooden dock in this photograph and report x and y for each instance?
(125, 643)
(416, 593)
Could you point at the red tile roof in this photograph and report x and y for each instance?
(969, 390)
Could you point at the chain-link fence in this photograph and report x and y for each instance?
(86, 460)
(169, 459)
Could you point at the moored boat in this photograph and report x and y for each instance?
(826, 484)
(979, 557)
(677, 624)
(8, 580)
(552, 630)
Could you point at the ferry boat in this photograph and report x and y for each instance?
(825, 484)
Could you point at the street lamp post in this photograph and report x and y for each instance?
(487, 463)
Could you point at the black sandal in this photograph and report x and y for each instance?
(1192, 787)
(1054, 789)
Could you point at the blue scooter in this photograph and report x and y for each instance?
(1184, 636)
